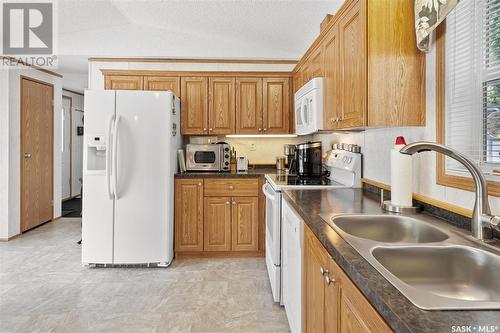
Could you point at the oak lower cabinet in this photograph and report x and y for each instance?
(217, 224)
(219, 218)
(188, 215)
(331, 302)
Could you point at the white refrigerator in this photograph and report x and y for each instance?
(130, 158)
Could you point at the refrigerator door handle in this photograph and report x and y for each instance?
(108, 156)
(115, 155)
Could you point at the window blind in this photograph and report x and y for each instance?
(472, 84)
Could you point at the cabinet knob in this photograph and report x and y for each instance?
(265, 129)
(234, 202)
(227, 202)
(329, 281)
(204, 128)
(199, 184)
(231, 187)
(323, 271)
(27, 155)
(260, 129)
(210, 129)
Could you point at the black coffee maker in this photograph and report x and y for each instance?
(309, 160)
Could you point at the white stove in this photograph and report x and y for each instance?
(345, 171)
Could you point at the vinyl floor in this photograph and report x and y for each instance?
(44, 288)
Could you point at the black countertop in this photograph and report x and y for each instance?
(395, 308)
(252, 173)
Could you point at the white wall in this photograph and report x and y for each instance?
(76, 141)
(376, 145)
(4, 153)
(10, 218)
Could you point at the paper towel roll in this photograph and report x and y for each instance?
(401, 179)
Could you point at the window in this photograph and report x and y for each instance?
(470, 109)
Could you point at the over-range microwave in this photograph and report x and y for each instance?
(207, 157)
(309, 107)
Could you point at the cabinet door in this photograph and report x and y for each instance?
(316, 61)
(217, 225)
(221, 106)
(194, 105)
(188, 215)
(276, 109)
(248, 106)
(245, 224)
(353, 66)
(313, 284)
(165, 83)
(331, 89)
(123, 82)
(355, 313)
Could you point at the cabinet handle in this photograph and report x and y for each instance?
(265, 129)
(210, 129)
(199, 184)
(323, 271)
(231, 187)
(329, 281)
(234, 202)
(204, 128)
(260, 129)
(227, 202)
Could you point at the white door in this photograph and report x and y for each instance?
(66, 148)
(97, 202)
(143, 128)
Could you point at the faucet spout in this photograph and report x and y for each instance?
(481, 223)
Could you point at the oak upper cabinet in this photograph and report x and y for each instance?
(194, 105)
(332, 303)
(245, 224)
(123, 82)
(276, 105)
(352, 66)
(165, 83)
(332, 82)
(217, 224)
(188, 215)
(249, 106)
(316, 64)
(221, 109)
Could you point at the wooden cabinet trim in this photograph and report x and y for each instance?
(172, 83)
(159, 73)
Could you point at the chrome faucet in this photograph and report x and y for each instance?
(482, 221)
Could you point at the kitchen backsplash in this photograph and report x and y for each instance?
(257, 150)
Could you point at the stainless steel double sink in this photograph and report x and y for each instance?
(435, 268)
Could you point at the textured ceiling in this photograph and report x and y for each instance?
(263, 29)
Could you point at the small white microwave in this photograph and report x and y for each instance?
(309, 107)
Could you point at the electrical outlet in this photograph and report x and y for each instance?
(252, 147)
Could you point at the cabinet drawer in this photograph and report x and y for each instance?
(231, 187)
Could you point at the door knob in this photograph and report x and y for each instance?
(329, 281)
(27, 155)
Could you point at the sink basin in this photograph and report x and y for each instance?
(389, 228)
(443, 277)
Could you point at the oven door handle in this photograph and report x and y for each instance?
(268, 194)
